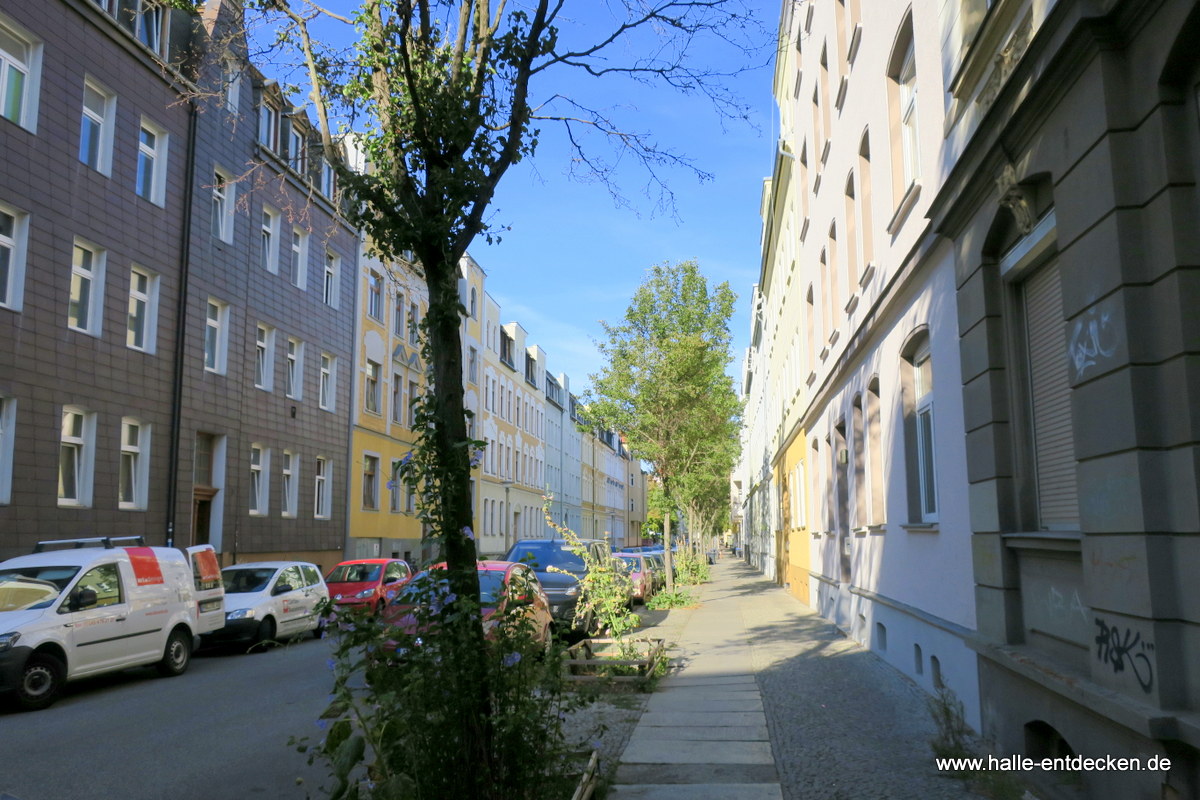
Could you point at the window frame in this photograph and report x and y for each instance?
(104, 122)
(259, 491)
(322, 485)
(8, 423)
(298, 258)
(156, 38)
(289, 470)
(264, 357)
(93, 322)
(269, 117)
(329, 287)
(219, 330)
(84, 447)
(156, 156)
(327, 388)
(294, 387)
(374, 295)
(139, 471)
(372, 378)
(149, 298)
(29, 65)
(224, 201)
(370, 482)
(12, 287)
(269, 228)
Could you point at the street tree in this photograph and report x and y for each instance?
(663, 383)
(443, 97)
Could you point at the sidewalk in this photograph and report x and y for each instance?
(770, 702)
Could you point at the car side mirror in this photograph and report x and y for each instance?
(83, 598)
(283, 588)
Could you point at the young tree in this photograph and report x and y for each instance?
(443, 97)
(664, 384)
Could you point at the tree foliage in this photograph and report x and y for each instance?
(664, 384)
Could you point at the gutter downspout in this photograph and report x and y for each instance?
(181, 327)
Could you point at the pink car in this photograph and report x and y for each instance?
(640, 572)
(367, 582)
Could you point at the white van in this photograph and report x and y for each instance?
(95, 608)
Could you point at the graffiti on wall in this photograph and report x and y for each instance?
(1093, 339)
(1121, 650)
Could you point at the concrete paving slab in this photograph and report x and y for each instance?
(680, 679)
(695, 773)
(701, 719)
(698, 791)
(724, 692)
(689, 751)
(700, 703)
(724, 733)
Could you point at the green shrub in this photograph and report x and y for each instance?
(691, 568)
(680, 598)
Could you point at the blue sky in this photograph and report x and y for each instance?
(573, 257)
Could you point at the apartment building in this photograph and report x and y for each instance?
(165, 381)
(975, 311)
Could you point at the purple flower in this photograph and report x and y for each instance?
(322, 724)
(331, 664)
(470, 534)
(476, 456)
(512, 659)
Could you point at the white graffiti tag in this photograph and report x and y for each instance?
(1091, 340)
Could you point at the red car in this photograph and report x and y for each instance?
(501, 584)
(641, 573)
(367, 582)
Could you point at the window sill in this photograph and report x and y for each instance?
(259, 514)
(906, 206)
(130, 507)
(852, 303)
(920, 527)
(72, 504)
(868, 273)
(870, 530)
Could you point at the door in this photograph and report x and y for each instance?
(97, 635)
(208, 589)
(292, 604)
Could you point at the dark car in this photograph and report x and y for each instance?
(561, 584)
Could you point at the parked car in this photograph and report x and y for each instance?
(562, 583)
(503, 586)
(659, 567)
(641, 574)
(366, 582)
(96, 608)
(269, 599)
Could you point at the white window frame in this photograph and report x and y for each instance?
(137, 455)
(269, 240)
(298, 258)
(906, 84)
(154, 190)
(231, 83)
(29, 65)
(295, 368)
(322, 484)
(370, 482)
(268, 125)
(374, 295)
(333, 270)
(83, 445)
(397, 398)
(372, 378)
(8, 434)
(395, 488)
(216, 336)
(153, 26)
(413, 396)
(298, 148)
(290, 489)
(13, 244)
(103, 120)
(926, 462)
(414, 321)
(90, 275)
(264, 357)
(259, 490)
(328, 179)
(148, 300)
(327, 391)
(224, 201)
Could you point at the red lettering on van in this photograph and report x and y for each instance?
(146, 569)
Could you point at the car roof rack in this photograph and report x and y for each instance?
(103, 541)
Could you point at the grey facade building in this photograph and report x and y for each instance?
(178, 301)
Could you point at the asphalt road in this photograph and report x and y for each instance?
(218, 731)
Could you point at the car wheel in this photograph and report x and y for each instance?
(266, 631)
(177, 655)
(41, 682)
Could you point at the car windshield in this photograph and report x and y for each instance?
(631, 563)
(244, 581)
(32, 587)
(424, 586)
(354, 573)
(541, 555)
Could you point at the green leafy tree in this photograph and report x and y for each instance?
(443, 97)
(664, 384)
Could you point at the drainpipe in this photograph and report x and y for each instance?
(185, 256)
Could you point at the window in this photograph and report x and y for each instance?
(269, 241)
(13, 234)
(374, 295)
(328, 384)
(298, 272)
(370, 483)
(264, 356)
(152, 163)
(862, 201)
(295, 368)
(96, 127)
(412, 404)
(919, 441)
(153, 26)
(268, 126)
(328, 179)
(397, 398)
(902, 102)
(20, 68)
(291, 483)
(76, 456)
(472, 365)
(8, 433)
(143, 310)
(398, 315)
(231, 83)
(216, 336)
(87, 289)
(223, 197)
(298, 148)
(395, 488)
(414, 322)
(329, 290)
(371, 387)
(874, 436)
(260, 471)
(473, 304)
(105, 582)
(134, 474)
(410, 499)
(321, 490)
